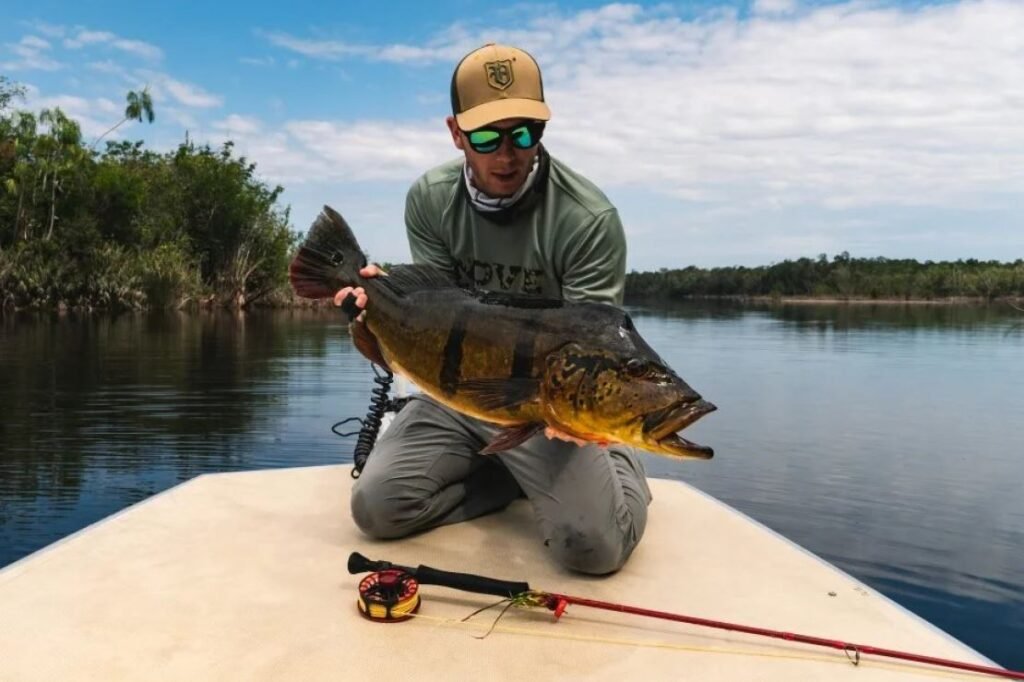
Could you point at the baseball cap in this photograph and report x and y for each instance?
(496, 82)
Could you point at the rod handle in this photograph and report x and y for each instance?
(467, 582)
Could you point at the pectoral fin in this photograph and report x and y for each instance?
(498, 394)
(512, 436)
(366, 343)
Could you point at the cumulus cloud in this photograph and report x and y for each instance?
(773, 6)
(841, 105)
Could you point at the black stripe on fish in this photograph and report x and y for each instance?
(522, 354)
(452, 362)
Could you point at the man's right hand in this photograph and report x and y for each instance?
(369, 271)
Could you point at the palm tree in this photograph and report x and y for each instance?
(59, 154)
(140, 104)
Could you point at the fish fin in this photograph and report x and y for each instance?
(512, 436)
(329, 258)
(497, 394)
(366, 343)
(406, 278)
(519, 300)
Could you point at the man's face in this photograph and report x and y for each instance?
(502, 172)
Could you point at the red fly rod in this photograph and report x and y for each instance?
(375, 596)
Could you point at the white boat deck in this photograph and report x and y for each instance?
(243, 577)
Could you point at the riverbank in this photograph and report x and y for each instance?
(285, 299)
(1014, 301)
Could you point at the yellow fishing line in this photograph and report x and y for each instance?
(818, 658)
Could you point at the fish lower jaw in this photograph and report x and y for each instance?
(675, 445)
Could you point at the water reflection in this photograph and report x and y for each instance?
(884, 438)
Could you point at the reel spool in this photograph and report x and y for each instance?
(388, 596)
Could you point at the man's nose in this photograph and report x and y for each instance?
(505, 150)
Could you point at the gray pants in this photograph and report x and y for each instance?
(425, 471)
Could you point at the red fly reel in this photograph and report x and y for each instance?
(389, 596)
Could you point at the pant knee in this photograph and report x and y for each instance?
(595, 551)
(382, 514)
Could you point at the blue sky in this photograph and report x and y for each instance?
(726, 133)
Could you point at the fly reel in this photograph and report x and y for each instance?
(389, 596)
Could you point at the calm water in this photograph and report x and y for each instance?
(887, 439)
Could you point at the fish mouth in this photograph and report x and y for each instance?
(662, 426)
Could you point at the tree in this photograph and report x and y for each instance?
(59, 155)
(9, 92)
(139, 106)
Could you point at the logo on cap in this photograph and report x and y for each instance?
(499, 74)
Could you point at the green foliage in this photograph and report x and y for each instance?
(843, 277)
(129, 227)
(167, 276)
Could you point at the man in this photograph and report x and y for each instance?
(507, 217)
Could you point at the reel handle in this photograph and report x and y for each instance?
(425, 575)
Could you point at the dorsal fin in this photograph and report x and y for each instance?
(406, 278)
(518, 300)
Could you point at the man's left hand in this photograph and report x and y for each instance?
(553, 434)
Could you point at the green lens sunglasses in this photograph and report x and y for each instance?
(524, 136)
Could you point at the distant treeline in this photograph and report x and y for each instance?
(842, 277)
(128, 227)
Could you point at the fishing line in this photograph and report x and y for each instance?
(522, 594)
(547, 633)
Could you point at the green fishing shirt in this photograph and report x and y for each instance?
(562, 239)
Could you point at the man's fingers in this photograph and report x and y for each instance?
(553, 433)
(359, 293)
(341, 295)
(371, 270)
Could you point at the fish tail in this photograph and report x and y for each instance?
(329, 258)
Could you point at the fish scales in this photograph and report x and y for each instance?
(519, 361)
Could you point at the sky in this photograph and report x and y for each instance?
(727, 133)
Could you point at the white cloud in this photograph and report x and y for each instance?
(774, 6)
(84, 37)
(35, 42)
(93, 115)
(191, 95)
(318, 49)
(238, 125)
(186, 94)
(107, 106)
(49, 30)
(842, 105)
(33, 54)
(258, 61)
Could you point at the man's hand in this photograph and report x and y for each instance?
(369, 271)
(553, 433)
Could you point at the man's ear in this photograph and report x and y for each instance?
(453, 128)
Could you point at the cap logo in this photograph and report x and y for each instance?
(499, 74)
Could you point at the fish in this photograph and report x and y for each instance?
(520, 361)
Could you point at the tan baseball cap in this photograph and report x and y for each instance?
(496, 82)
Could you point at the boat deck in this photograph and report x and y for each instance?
(242, 576)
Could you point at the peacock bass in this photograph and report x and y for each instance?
(520, 361)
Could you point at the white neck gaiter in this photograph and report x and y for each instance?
(489, 204)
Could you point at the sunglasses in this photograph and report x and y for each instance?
(524, 136)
